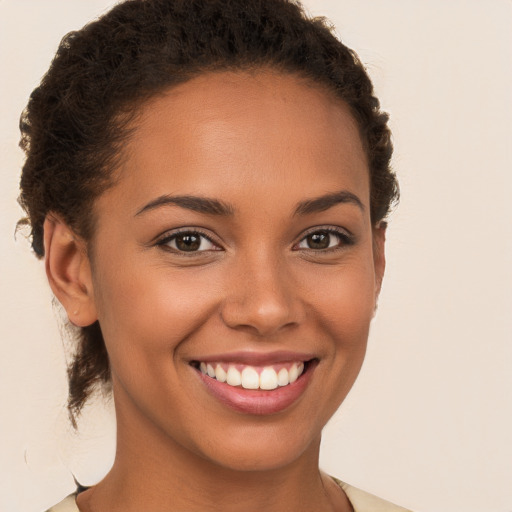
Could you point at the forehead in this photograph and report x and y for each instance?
(244, 133)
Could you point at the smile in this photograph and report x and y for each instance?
(259, 385)
(253, 377)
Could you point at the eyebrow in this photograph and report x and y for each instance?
(198, 204)
(322, 203)
(212, 206)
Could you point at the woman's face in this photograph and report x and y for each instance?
(237, 240)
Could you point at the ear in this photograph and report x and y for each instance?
(379, 255)
(68, 270)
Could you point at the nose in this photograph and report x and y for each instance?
(263, 298)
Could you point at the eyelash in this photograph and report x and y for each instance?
(344, 239)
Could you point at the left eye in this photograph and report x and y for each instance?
(189, 241)
(321, 240)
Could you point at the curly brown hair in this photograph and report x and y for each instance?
(77, 118)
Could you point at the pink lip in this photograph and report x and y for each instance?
(259, 402)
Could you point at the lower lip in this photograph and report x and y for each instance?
(259, 402)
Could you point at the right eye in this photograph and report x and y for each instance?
(188, 242)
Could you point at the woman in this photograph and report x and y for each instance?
(208, 183)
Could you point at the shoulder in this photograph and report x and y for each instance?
(362, 501)
(66, 505)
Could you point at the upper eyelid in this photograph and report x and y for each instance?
(328, 228)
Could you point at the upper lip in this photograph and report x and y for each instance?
(256, 358)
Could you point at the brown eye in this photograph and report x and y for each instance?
(189, 241)
(324, 239)
(319, 240)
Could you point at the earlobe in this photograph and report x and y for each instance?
(68, 271)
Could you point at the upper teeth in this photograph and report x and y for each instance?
(251, 377)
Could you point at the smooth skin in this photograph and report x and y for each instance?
(285, 259)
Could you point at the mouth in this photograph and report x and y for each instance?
(267, 377)
(259, 388)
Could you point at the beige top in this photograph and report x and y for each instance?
(361, 502)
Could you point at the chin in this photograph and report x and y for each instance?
(261, 457)
(265, 447)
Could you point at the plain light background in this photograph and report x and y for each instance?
(428, 424)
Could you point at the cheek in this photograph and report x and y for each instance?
(340, 308)
(147, 310)
(344, 305)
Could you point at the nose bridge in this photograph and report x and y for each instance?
(262, 296)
